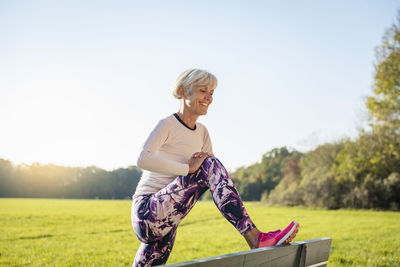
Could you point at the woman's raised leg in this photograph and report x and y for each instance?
(229, 203)
(225, 195)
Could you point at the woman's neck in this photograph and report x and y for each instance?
(188, 118)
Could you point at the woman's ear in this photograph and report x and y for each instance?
(181, 92)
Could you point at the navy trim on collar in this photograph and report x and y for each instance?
(184, 124)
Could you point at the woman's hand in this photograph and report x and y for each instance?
(197, 159)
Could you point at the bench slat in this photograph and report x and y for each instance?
(317, 252)
(314, 251)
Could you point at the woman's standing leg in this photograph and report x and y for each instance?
(155, 253)
(155, 218)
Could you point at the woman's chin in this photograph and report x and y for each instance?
(204, 111)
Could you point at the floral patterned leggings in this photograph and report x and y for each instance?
(155, 217)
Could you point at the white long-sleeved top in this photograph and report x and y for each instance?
(166, 152)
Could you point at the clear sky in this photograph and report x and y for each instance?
(84, 82)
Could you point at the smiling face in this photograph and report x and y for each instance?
(199, 99)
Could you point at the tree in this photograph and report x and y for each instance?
(384, 105)
(272, 164)
(288, 191)
(262, 177)
(368, 168)
(50, 180)
(6, 182)
(318, 179)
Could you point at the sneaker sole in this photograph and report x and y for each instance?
(292, 236)
(288, 235)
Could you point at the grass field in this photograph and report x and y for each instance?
(55, 232)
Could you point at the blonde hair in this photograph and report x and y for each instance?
(194, 77)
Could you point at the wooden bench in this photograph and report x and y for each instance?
(313, 253)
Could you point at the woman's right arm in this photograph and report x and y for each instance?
(149, 159)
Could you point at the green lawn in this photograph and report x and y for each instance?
(55, 232)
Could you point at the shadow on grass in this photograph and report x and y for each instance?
(35, 237)
(111, 231)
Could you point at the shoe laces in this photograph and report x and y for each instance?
(265, 236)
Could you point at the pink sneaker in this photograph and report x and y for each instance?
(278, 237)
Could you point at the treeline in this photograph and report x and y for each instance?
(347, 174)
(52, 181)
(361, 173)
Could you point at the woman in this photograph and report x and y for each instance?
(179, 166)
